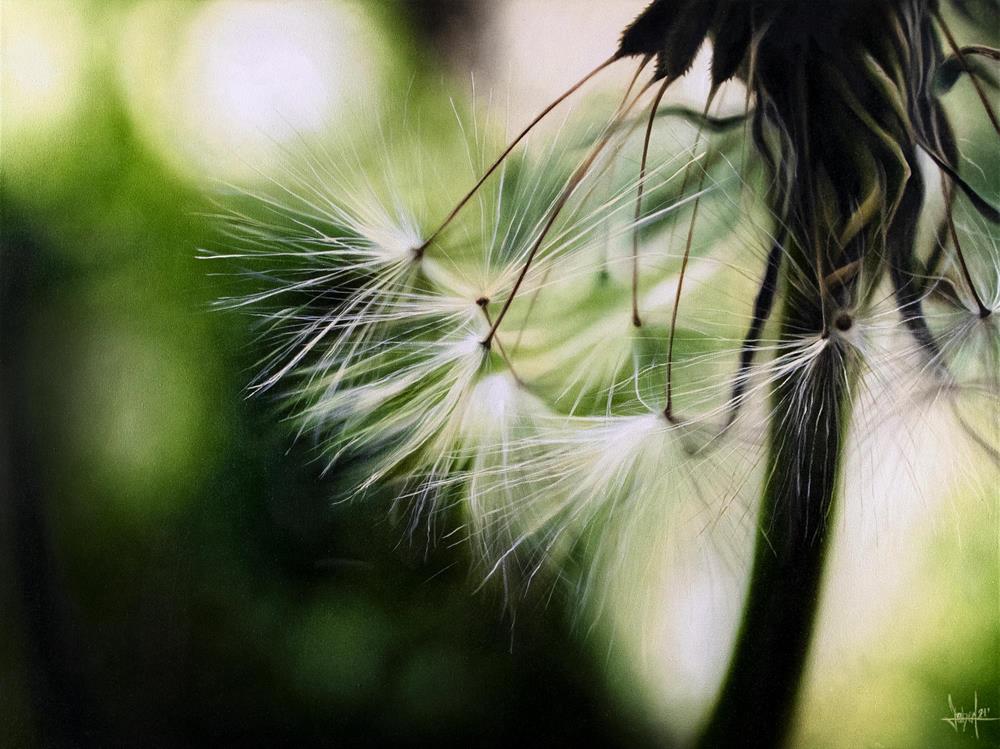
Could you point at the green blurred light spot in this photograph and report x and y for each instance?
(43, 46)
(337, 652)
(138, 419)
(435, 687)
(223, 89)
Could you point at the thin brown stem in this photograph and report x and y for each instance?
(668, 410)
(982, 50)
(635, 77)
(636, 320)
(537, 291)
(531, 308)
(564, 196)
(500, 348)
(960, 56)
(506, 152)
(984, 311)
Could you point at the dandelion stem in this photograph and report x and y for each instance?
(807, 431)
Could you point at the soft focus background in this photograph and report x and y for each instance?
(172, 569)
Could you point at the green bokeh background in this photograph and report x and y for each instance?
(173, 570)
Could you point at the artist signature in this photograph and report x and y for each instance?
(960, 718)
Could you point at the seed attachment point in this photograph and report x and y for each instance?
(843, 322)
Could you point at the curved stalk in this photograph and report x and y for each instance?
(758, 698)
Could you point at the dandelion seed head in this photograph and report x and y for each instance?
(583, 379)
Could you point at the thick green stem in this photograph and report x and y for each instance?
(758, 698)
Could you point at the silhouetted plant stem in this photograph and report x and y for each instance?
(757, 702)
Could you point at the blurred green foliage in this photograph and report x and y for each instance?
(175, 571)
